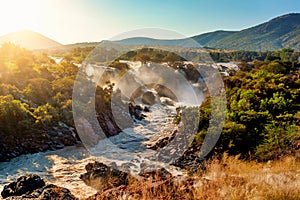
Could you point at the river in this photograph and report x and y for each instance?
(63, 167)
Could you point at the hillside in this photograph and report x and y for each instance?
(29, 39)
(278, 33)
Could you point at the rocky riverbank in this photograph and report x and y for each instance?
(110, 183)
(55, 138)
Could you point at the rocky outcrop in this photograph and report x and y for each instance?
(136, 111)
(103, 177)
(52, 139)
(161, 141)
(190, 160)
(33, 187)
(23, 185)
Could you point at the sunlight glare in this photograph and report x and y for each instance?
(17, 14)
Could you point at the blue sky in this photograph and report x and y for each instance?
(69, 21)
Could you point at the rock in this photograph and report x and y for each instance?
(23, 185)
(163, 91)
(108, 124)
(59, 146)
(52, 133)
(33, 187)
(156, 174)
(136, 111)
(161, 141)
(148, 98)
(191, 161)
(146, 109)
(103, 177)
(60, 134)
(53, 192)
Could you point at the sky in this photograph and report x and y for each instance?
(71, 21)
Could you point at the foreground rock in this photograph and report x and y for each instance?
(103, 177)
(33, 187)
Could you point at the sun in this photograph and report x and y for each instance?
(19, 14)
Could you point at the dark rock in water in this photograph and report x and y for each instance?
(162, 141)
(103, 177)
(108, 124)
(147, 109)
(33, 187)
(23, 185)
(148, 98)
(136, 111)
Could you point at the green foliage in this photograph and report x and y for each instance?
(14, 115)
(38, 90)
(277, 141)
(149, 54)
(262, 119)
(35, 92)
(45, 115)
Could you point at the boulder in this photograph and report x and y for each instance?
(33, 187)
(23, 185)
(148, 98)
(103, 177)
(163, 91)
(136, 111)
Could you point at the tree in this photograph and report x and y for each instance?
(38, 91)
(15, 117)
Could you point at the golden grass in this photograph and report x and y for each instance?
(231, 178)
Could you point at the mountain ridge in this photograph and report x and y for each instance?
(277, 33)
(29, 39)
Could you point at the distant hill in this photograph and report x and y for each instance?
(29, 39)
(150, 41)
(208, 39)
(280, 32)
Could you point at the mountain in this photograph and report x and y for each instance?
(150, 41)
(208, 39)
(29, 39)
(280, 32)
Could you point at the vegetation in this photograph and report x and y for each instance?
(35, 96)
(262, 119)
(278, 33)
(223, 178)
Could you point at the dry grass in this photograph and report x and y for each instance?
(231, 178)
(228, 178)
